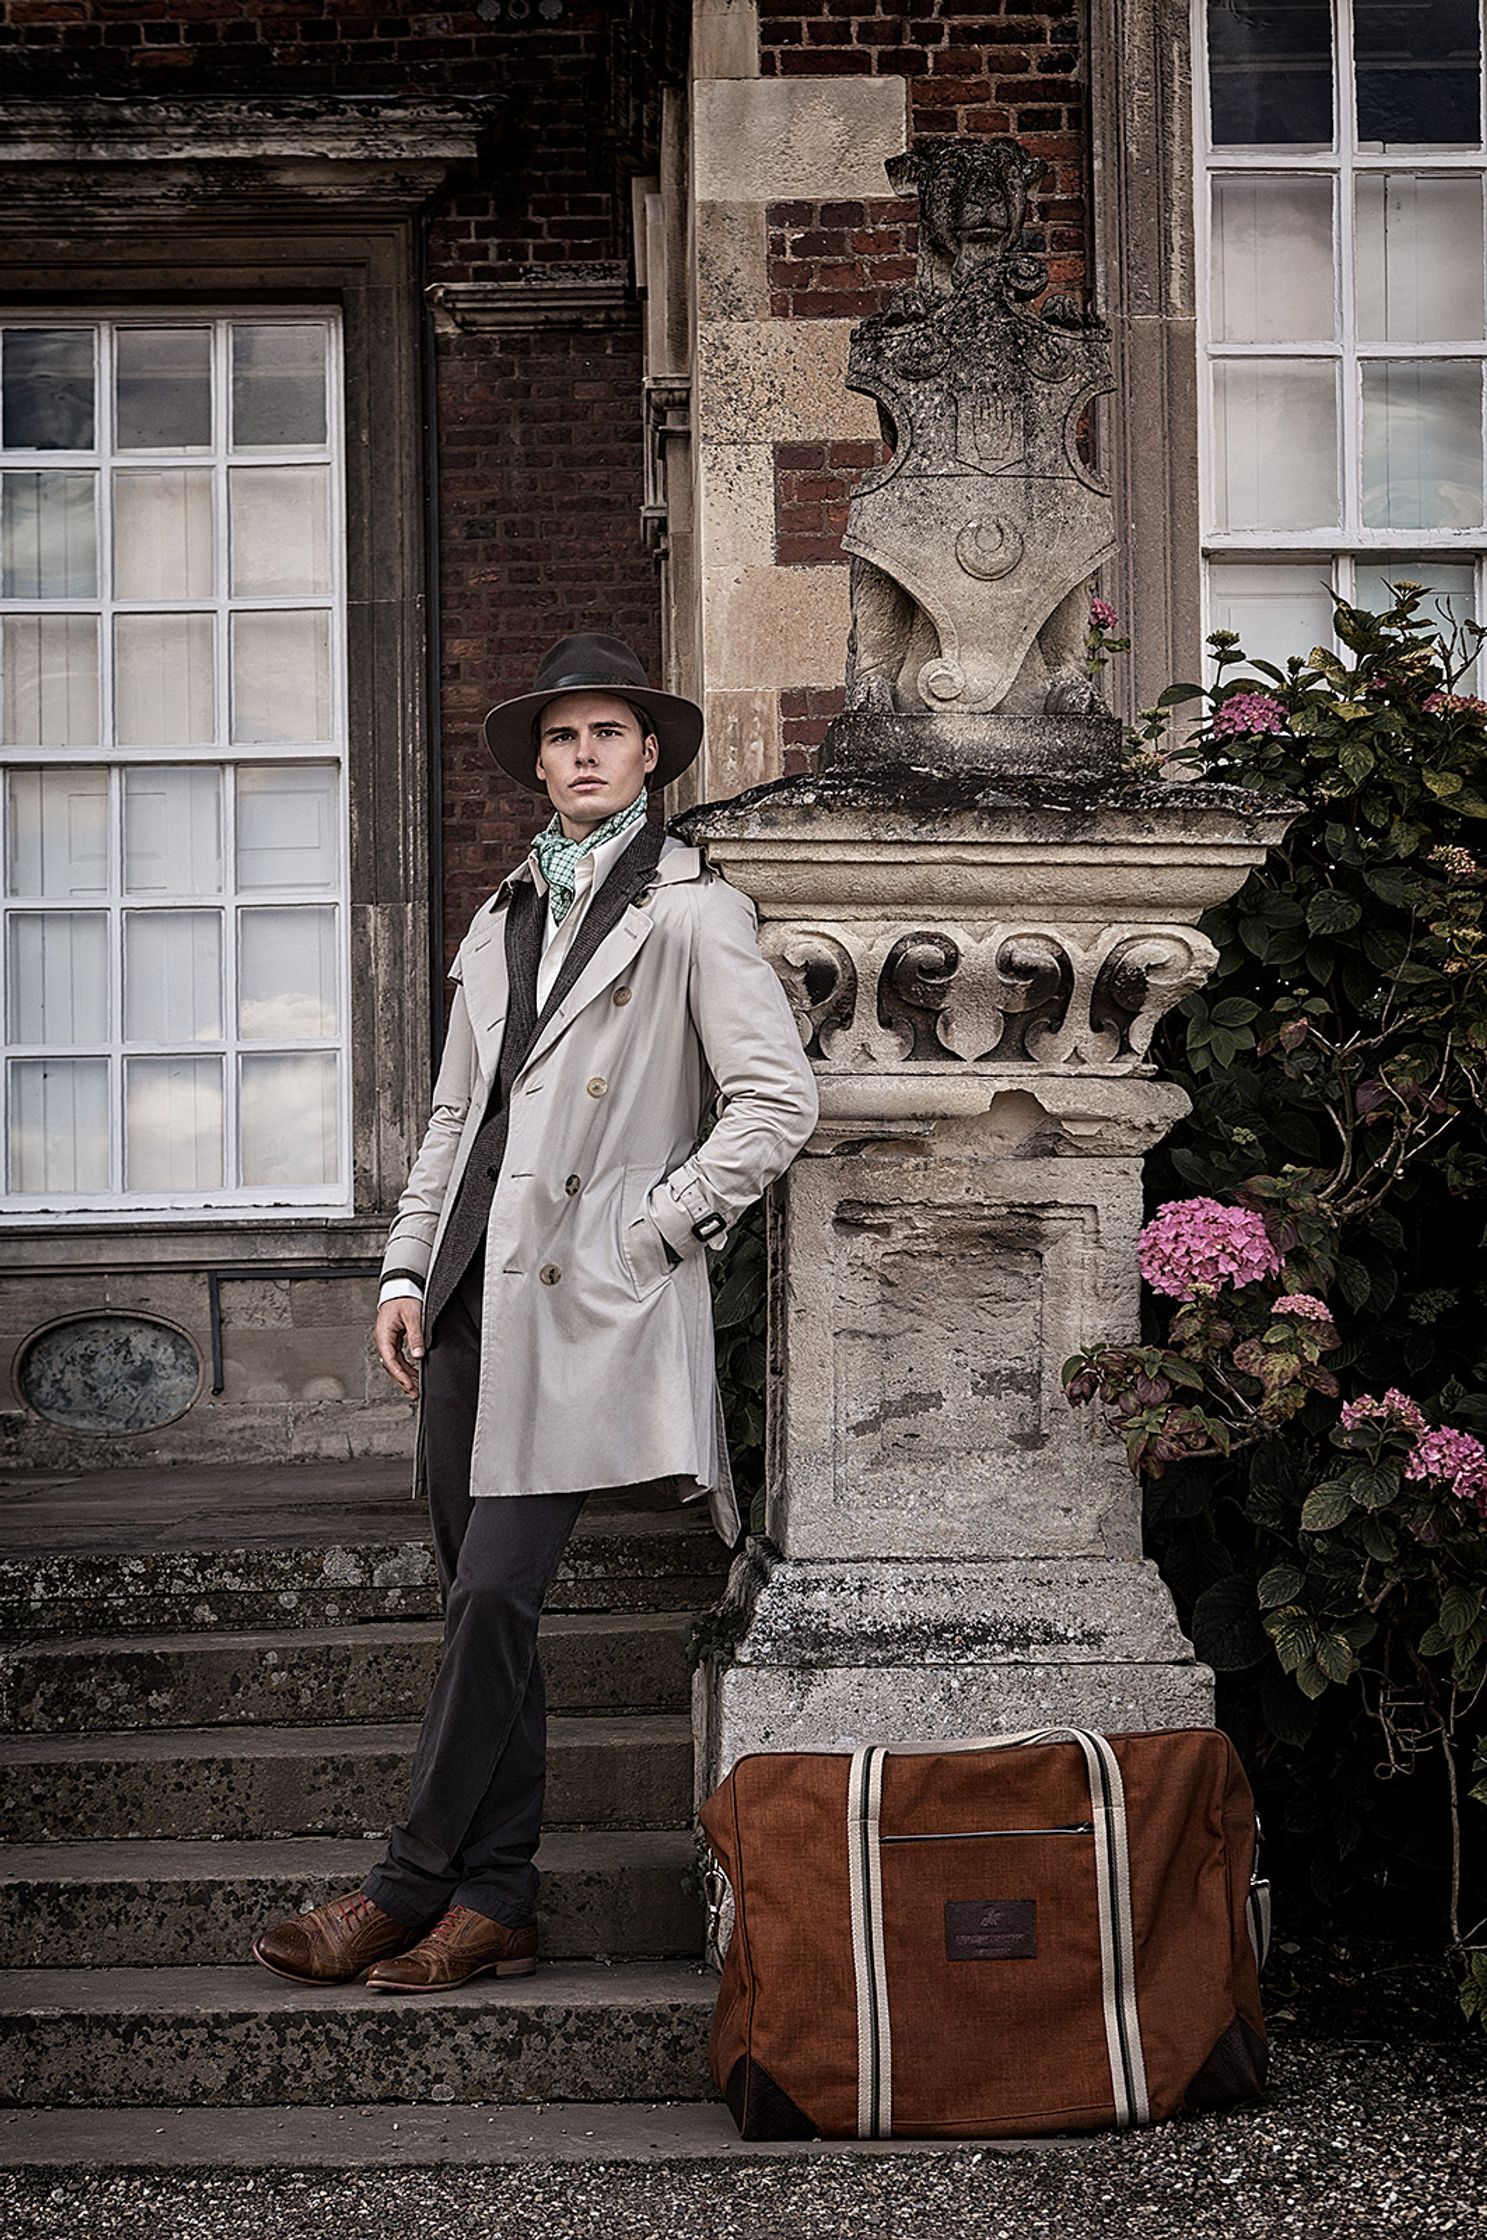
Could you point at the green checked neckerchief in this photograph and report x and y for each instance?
(558, 856)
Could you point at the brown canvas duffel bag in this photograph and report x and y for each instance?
(1054, 1931)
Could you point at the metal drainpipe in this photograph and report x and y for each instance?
(433, 681)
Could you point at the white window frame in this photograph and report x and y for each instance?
(1343, 164)
(229, 1202)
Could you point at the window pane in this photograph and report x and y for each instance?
(58, 832)
(47, 542)
(1270, 72)
(281, 676)
(46, 384)
(163, 533)
(1451, 584)
(1419, 258)
(59, 977)
(59, 1125)
(173, 1124)
(1422, 445)
(286, 974)
(280, 530)
(1277, 607)
(287, 828)
(49, 689)
(172, 976)
(287, 1113)
(1272, 242)
(1417, 73)
(278, 386)
(172, 831)
(163, 695)
(163, 393)
(1275, 445)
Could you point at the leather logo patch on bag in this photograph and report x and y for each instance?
(991, 1928)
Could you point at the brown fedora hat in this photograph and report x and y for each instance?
(590, 662)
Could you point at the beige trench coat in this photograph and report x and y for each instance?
(596, 1364)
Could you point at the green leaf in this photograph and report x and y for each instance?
(1433, 1642)
(1311, 1679)
(1373, 1485)
(1324, 1508)
(1226, 1626)
(1331, 912)
(1281, 1584)
(1460, 1609)
(1335, 1658)
(1443, 783)
(1176, 694)
(1235, 1011)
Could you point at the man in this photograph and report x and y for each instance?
(545, 1278)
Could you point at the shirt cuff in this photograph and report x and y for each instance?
(399, 1287)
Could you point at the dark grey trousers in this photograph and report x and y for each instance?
(475, 1813)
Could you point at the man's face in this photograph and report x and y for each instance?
(592, 756)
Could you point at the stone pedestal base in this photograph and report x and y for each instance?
(824, 1655)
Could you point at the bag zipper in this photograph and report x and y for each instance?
(963, 1835)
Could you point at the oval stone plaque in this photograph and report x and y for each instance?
(110, 1372)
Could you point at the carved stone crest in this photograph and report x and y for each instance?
(972, 548)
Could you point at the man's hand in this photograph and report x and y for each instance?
(397, 1331)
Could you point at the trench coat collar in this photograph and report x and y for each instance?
(487, 993)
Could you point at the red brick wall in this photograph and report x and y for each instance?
(539, 480)
(540, 435)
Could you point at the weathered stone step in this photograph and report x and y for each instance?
(632, 1661)
(286, 1781)
(618, 1559)
(239, 2037)
(394, 2136)
(624, 1893)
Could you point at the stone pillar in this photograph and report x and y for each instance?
(977, 967)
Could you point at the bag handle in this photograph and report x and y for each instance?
(1112, 1897)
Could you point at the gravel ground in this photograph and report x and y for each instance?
(1357, 2137)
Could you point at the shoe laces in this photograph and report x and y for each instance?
(448, 1923)
(352, 1907)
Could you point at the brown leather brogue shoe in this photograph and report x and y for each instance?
(460, 1945)
(335, 1942)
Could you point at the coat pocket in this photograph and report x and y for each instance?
(642, 1247)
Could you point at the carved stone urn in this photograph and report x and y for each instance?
(977, 967)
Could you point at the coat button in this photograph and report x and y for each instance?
(573, 1185)
(622, 995)
(598, 1087)
(550, 1274)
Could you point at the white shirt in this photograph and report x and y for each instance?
(589, 875)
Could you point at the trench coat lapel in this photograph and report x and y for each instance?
(610, 934)
(487, 984)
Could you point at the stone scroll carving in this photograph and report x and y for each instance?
(972, 548)
(869, 997)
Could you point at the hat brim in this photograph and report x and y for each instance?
(676, 723)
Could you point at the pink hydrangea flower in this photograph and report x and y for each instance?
(1457, 863)
(1454, 1458)
(1396, 1408)
(1244, 714)
(1453, 704)
(1303, 1303)
(1196, 1244)
(1102, 615)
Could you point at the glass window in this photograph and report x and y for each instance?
(172, 832)
(1342, 312)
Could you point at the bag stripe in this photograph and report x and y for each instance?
(1113, 1907)
(865, 1877)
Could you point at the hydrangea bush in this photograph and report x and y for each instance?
(1304, 1408)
